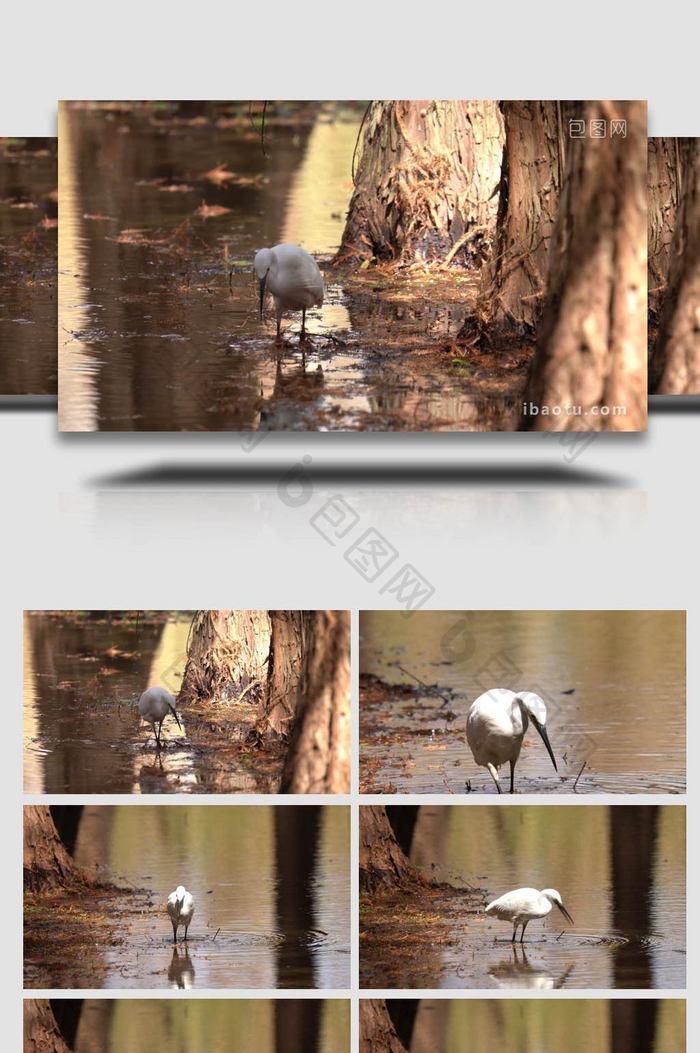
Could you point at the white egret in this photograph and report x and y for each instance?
(496, 727)
(180, 909)
(293, 278)
(523, 904)
(154, 706)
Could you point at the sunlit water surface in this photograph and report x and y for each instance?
(272, 894)
(542, 1026)
(214, 1026)
(613, 682)
(158, 301)
(621, 876)
(28, 266)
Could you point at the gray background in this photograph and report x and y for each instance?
(489, 521)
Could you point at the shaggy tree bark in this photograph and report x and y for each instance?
(514, 284)
(426, 184)
(227, 652)
(377, 1034)
(41, 1033)
(46, 862)
(382, 863)
(591, 341)
(664, 191)
(318, 759)
(285, 671)
(676, 357)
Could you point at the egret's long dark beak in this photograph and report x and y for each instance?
(566, 914)
(545, 738)
(172, 710)
(262, 294)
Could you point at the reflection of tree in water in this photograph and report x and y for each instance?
(411, 389)
(28, 266)
(297, 833)
(633, 836)
(297, 1025)
(633, 1025)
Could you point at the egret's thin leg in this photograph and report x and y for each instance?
(303, 323)
(279, 324)
(523, 932)
(515, 929)
(174, 932)
(186, 928)
(512, 776)
(494, 776)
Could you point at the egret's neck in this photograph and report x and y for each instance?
(519, 711)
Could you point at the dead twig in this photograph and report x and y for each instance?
(579, 775)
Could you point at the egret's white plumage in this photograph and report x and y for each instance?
(496, 727)
(180, 909)
(154, 706)
(293, 278)
(523, 904)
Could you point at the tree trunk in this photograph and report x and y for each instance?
(382, 863)
(41, 1034)
(591, 342)
(318, 759)
(426, 182)
(664, 192)
(289, 631)
(514, 284)
(227, 652)
(47, 864)
(676, 357)
(377, 1034)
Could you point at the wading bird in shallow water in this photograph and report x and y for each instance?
(293, 278)
(154, 706)
(180, 909)
(496, 727)
(524, 904)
